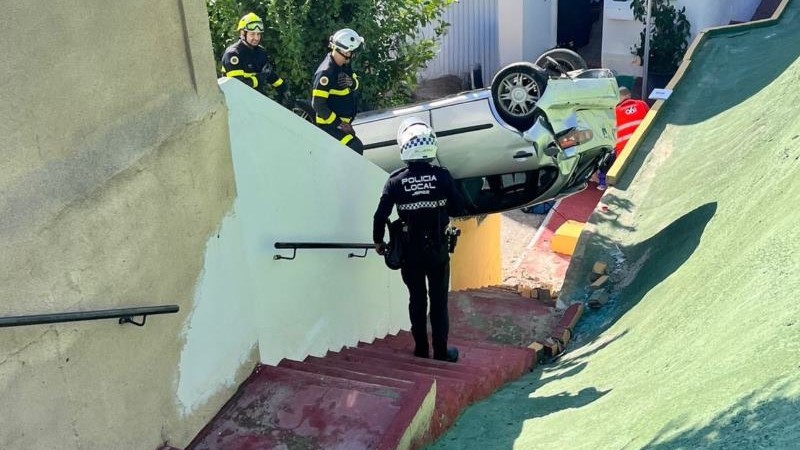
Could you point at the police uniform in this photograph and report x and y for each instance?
(425, 196)
(334, 100)
(251, 66)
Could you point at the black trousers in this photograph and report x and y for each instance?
(348, 139)
(437, 272)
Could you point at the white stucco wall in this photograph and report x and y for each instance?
(621, 30)
(294, 184)
(527, 29)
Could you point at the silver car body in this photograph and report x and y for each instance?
(473, 139)
(498, 166)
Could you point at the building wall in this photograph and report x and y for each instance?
(119, 188)
(493, 34)
(116, 170)
(528, 29)
(621, 31)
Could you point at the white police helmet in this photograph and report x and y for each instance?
(417, 140)
(346, 40)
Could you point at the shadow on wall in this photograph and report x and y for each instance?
(645, 265)
(755, 421)
(500, 430)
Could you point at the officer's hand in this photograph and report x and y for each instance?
(380, 247)
(345, 80)
(346, 127)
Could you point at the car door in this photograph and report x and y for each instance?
(378, 131)
(473, 143)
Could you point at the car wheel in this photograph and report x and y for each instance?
(559, 61)
(515, 90)
(303, 109)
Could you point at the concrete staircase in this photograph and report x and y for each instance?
(378, 395)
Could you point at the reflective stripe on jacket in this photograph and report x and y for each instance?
(630, 114)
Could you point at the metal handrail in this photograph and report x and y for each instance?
(294, 246)
(125, 315)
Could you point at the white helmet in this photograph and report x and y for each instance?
(346, 40)
(417, 140)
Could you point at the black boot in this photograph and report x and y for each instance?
(450, 356)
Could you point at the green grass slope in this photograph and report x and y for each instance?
(699, 346)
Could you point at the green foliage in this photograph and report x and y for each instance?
(297, 35)
(669, 35)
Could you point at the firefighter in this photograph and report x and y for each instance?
(334, 93)
(424, 195)
(247, 61)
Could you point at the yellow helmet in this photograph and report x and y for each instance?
(251, 22)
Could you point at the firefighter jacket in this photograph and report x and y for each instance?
(251, 66)
(425, 195)
(630, 114)
(334, 94)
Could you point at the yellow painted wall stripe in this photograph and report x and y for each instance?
(477, 261)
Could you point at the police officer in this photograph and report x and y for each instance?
(333, 96)
(247, 61)
(424, 194)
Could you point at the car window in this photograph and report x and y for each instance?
(495, 193)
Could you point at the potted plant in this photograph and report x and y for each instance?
(669, 38)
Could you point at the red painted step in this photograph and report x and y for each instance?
(367, 397)
(451, 394)
(279, 406)
(498, 317)
(503, 363)
(418, 389)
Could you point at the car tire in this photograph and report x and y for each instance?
(303, 109)
(559, 61)
(515, 90)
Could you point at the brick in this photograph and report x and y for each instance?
(600, 282)
(563, 334)
(552, 347)
(599, 268)
(571, 316)
(598, 298)
(543, 295)
(538, 348)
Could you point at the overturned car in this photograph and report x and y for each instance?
(537, 134)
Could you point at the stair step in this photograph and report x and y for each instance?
(480, 316)
(487, 375)
(451, 393)
(278, 405)
(505, 363)
(411, 413)
(325, 369)
(473, 387)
